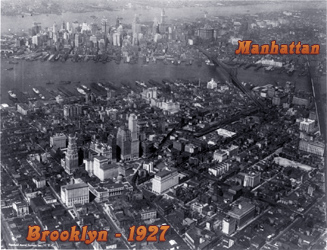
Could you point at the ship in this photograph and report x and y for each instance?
(12, 62)
(57, 57)
(141, 83)
(101, 85)
(84, 87)
(12, 94)
(258, 67)
(52, 56)
(247, 66)
(36, 91)
(81, 91)
(49, 82)
(10, 69)
(65, 82)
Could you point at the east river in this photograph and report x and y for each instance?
(27, 75)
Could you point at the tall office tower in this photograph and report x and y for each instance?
(36, 28)
(76, 40)
(136, 28)
(94, 28)
(116, 39)
(132, 124)
(111, 141)
(124, 142)
(68, 26)
(155, 26)
(75, 25)
(163, 17)
(135, 143)
(54, 28)
(71, 159)
(118, 21)
(63, 26)
(104, 26)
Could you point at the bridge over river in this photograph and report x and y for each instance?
(232, 73)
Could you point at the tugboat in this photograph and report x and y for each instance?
(12, 94)
(84, 87)
(36, 91)
(65, 82)
(80, 90)
(101, 85)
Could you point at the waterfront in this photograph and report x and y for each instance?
(27, 75)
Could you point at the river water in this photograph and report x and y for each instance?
(27, 75)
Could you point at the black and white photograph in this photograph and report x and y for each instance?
(163, 124)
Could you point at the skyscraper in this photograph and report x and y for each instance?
(135, 143)
(54, 28)
(68, 26)
(124, 143)
(112, 142)
(76, 40)
(71, 159)
(104, 26)
(163, 17)
(36, 28)
(136, 28)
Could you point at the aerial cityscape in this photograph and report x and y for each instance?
(155, 125)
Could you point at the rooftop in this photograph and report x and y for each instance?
(75, 186)
(241, 208)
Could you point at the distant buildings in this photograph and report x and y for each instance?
(150, 95)
(207, 32)
(72, 110)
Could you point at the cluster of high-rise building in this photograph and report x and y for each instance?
(95, 35)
